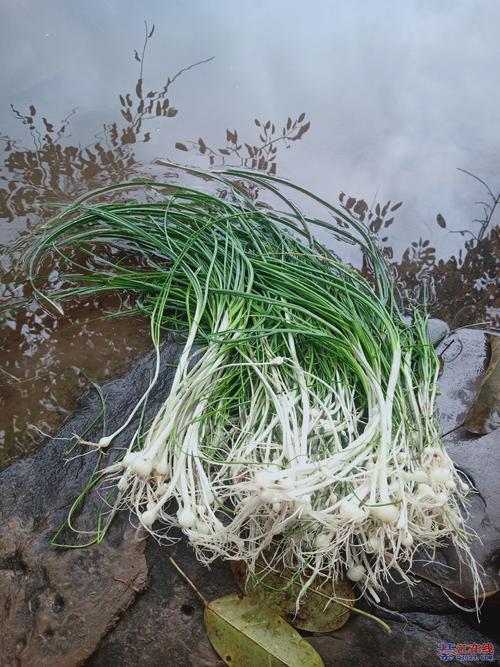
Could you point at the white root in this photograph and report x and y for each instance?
(347, 496)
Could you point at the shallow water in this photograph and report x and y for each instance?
(370, 102)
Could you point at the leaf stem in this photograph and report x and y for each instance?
(184, 575)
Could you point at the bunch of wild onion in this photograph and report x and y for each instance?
(299, 428)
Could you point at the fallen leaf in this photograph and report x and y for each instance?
(318, 610)
(246, 634)
(484, 415)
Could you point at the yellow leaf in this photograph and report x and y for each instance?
(319, 610)
(246, 634)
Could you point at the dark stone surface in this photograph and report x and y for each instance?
(56, 605)
(165, 625)
(423, 596)
(479, 459)
(414, 641)
(95, 606)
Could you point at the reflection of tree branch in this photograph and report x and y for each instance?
(274, 141)
(144, 46)
(153, 96)
(261, 156)
(480, 180)
(186, 69)
(464, 286)
(489, 208)
(28, 120)
(52, 167)
(159, 95)
(65, 122)
(463, 231)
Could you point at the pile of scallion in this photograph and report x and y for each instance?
(300, 426)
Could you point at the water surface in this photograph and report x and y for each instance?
(373, 103)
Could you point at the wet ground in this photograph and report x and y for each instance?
(373, 108)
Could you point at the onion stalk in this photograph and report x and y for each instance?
(300, 426)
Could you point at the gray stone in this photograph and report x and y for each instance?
(423, 596)
(465, 361)
(465, 356)
(479, 459)
(165, 625)
(414, 641)
(437, 329)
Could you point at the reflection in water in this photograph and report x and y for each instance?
(50, 357)
(260, 155)
(45, 361)
(53, 171)
(462, 289)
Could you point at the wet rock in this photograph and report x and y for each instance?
(56, 605)
(165, 625)
(437, 329)
(414, 641)
(466, 357)
(484, 416)
(479, 459)
(465, 354)
(423, 596)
